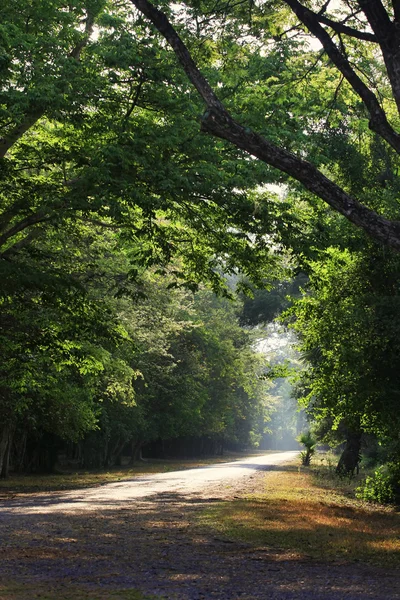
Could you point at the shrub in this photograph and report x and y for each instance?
(383, 486)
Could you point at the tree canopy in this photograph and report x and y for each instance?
(358, 51)
(147, 151)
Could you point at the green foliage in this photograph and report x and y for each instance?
(115, 209)
(309, 442)
(383, 486)
(348, 326)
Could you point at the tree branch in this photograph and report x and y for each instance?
(8, 141)
(32, 219)
(32, 235)
(218, 122)
(76, 52)
(161, 23)
(396, 11)
(378, 121)
(379, 20)
(388, 37)
(223, 126)
(34, 115)
(350, 31)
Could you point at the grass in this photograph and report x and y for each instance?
(69, 480)
(303, 513)
(14, 591)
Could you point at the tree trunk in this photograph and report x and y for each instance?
(5, 447)
(20, 452)
(351, 455)
(136, 452)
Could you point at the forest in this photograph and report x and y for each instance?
(174, 178)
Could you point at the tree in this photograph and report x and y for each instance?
(348, 326)
(93, 171)
(64, 348)
(94, 128)
(367, 62)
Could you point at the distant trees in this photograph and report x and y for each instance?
(95, 360)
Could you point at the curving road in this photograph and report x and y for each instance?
(113, 495)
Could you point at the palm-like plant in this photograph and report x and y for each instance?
(309, 442)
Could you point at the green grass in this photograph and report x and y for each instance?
(300, 515)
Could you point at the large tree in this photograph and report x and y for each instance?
(348, 326)
(95, 125)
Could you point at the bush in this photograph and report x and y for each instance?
(383, 486)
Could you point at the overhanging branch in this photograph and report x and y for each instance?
(218, 122)
(346, 30)
(378, 121)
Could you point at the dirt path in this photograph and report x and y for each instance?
(144, 535)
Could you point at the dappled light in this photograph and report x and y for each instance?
(294, 516)
(276, 532)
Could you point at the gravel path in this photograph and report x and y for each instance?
(143, 534)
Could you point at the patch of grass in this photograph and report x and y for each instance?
(324, 471)
(14, 591)
(296, 515)
(69, 480)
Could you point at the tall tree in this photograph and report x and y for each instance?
(95, 125)
(348, 325)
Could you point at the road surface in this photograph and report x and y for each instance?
(114, 495)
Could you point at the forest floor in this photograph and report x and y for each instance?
(277, 534)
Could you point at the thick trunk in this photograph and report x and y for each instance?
(351, 455)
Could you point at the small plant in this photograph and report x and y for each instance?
(383, 486)
(309, 442)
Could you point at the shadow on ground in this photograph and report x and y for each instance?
(156, 546)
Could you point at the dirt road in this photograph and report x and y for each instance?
(113, 495)
(144, 534)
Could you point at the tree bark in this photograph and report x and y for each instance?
(136, 453)
(6, 435)
(351, 454)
